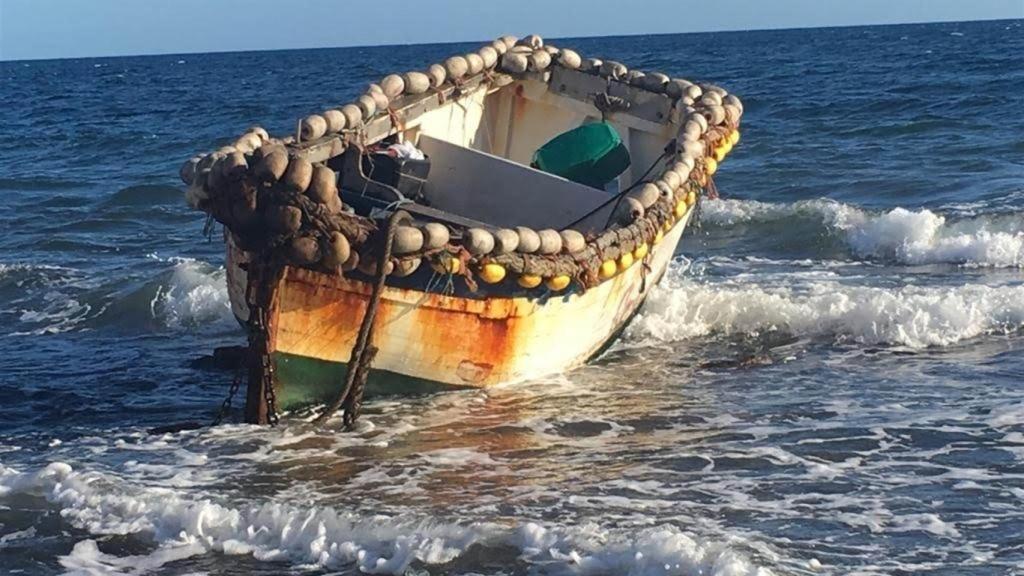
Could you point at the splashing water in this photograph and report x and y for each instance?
(900, 235)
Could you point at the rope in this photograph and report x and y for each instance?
(618, 197)
(364, 352)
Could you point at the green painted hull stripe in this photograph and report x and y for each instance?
(302, 381)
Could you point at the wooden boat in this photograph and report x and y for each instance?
(468, 296)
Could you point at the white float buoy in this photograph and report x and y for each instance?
(335, 121)
(529, 240)
(509, 41)
(550, 241)
(273, 166)
(569, 59)
(733, 100)
(392, 85)
(336, 250)
(474, 64)
(699, 119)
(711, 99)
(435, 235)
(353, 115)
(298, 175)
(456, 67)
(234, 165)
(629, 210)
(407, 240)
(732, 114)
(478, 241)
(533, 41)
(646, 194)
(572, 241)
(489, 56)
(323, 186)
(437, 75)
(514, 63)
(613, 70)
(367, 106)
(539, 60)
(416, 82)
(655, 82)
(505, 241)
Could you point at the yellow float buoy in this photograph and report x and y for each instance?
(447, 265)
(720, 153)
(734, 138)
(558, 283)
(668, 225)
(710, 166)
(680, 210)
(492, 273)
(608, 269)
(625, 261)
(691, 198)
(658, 237)
(640, 252)
(530, 280)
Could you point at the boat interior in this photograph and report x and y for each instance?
(481, 148)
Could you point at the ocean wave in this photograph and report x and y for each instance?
(195, 293)
(900, 235)
(103, 504)
(44, 299)
(912, 316)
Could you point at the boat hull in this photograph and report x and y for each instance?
(429, 340)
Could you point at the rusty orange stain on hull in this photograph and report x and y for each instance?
(466, 337)
(455, 340)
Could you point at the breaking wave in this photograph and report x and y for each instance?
(322, 537)
(43, 299)
(899, 235)
(912, 316)
(195, 293)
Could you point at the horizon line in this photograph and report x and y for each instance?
(625, 35)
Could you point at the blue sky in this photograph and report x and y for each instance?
(78, 28)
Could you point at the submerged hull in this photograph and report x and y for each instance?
(428, 340)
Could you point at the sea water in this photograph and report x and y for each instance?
(829, 380)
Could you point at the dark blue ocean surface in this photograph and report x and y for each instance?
(830, 379)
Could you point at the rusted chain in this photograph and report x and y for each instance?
(236, 383)
(364, 352)
(264, 275)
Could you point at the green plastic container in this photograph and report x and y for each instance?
(592, 155)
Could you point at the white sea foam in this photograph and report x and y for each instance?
(194, 294)
(905, 236)
(913, 316)
(181, 527)
(45, 298)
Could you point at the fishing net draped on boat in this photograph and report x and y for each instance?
(279, 197)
